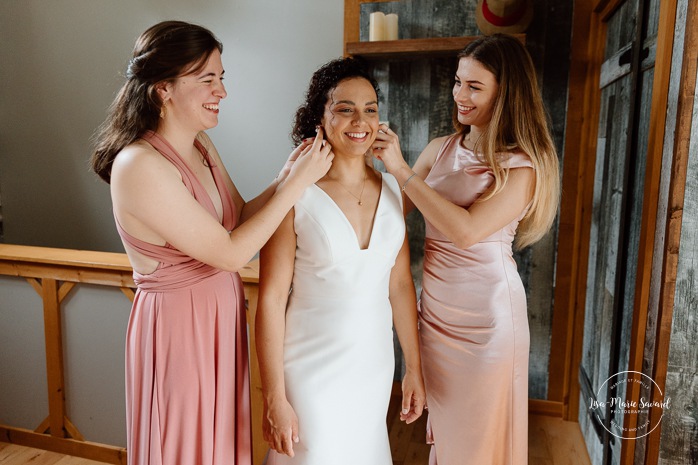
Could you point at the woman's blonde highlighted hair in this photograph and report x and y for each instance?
(519, 123)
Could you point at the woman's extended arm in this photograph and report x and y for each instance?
(463, 227)
(277, 258)
(249, 208)
(404, 303)
(152, 203)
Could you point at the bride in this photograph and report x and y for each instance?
(334, 278)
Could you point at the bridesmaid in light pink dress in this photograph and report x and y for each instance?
(495, 178)
(187, 231)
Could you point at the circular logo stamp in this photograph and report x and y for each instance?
(617, 407)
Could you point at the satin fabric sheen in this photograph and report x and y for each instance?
(187, 382)
(338, 348)
(473, 328)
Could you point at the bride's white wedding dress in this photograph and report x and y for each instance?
(338, 348)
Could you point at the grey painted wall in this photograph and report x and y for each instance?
(61, 63)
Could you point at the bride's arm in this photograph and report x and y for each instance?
(404, 303)
(277, 258)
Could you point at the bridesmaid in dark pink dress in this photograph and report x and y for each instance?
(187, 231)
(496, 178)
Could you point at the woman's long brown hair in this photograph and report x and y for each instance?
(164, 52)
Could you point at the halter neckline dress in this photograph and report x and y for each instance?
(187, 382)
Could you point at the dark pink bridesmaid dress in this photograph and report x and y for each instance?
(187, 382)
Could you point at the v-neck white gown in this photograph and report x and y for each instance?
(338, 349)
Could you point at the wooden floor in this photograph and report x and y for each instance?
(551, 441)
(11, 454)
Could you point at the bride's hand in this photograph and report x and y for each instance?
(413, 396)
(280, 427)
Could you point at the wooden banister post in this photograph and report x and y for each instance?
(54, 357)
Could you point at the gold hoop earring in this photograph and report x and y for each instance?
(163, 110)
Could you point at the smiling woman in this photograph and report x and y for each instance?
(187, 232)
(342, 254)
(495, 177)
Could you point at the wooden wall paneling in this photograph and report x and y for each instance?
(573, 238)
(425, 19)
(628, 25)
(606, 8)
(638, 234)
(604, 289)
(644, 181)
(551, 51)
(683, 144)
(537, 265)
(665, 35)
(606, 255)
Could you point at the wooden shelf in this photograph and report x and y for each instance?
(405, 48)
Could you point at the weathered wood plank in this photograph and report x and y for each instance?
(660, 155)
(680, 192)
(616, 218)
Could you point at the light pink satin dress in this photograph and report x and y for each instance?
(187, 382)
(474, 328)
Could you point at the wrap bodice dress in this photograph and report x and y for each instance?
(187, 382)
(473, 327)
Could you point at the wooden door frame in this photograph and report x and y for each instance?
(587, 54)
(584, 98)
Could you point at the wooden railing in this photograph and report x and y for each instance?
(54, 273)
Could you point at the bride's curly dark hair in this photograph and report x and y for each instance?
(325, 80)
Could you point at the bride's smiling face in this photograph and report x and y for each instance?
(350, 120)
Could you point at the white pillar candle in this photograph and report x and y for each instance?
(376, 26)
(391, 27)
